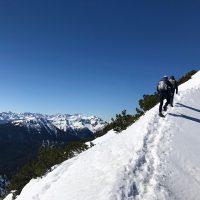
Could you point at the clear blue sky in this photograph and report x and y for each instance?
(92, 57)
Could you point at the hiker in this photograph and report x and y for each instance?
(164, 88)
(173, 81)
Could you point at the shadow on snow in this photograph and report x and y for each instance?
(183, 105)
(186, 117)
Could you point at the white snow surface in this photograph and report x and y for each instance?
(9, 197)
(154, 159)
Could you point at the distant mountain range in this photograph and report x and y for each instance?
(63, 122)
(22, 134)
(3, 185)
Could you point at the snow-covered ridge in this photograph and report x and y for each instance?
(60, 121)
(154, 159)
(64, 122)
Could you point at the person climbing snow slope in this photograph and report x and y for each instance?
(173, 81)
(164, 89)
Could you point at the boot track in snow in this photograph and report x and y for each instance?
(141, 173)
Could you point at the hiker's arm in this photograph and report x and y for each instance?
(170, 85)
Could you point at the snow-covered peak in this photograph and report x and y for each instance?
(77, 121)
(60, 121)
(155, 158)
(3, 184)
(11, 116)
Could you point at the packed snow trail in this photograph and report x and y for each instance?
(183, 162)
(155, 158)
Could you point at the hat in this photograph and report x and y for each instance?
(165, 77)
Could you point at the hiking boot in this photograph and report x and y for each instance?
(161, 115)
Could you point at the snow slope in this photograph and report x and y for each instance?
(155, 158)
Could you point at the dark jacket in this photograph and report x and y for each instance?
(169, 86)
(174, 86)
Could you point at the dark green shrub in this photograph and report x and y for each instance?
(186, 77)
